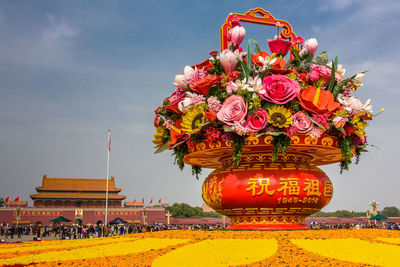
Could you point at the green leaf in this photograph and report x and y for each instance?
(316, 123)
(322, 59)
(162, 148)
(257, 47)
(249, 56)
(333, 72)
(270, 133)
(244, 68)
(178, 144)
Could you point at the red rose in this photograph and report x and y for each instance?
(257, 120)
(202, 86)
(279, 89)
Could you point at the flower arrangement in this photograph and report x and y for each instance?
(236, 94)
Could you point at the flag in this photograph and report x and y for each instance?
(143, 200)
(159, 201)
(151, 200)
(16, 199)
(109, 140)
(134, 200)
(7, 199)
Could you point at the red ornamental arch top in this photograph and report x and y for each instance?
(256, 16)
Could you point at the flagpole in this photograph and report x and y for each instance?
(108, 171)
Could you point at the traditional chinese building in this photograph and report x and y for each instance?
(76, 193)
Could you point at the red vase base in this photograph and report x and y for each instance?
(267, 227)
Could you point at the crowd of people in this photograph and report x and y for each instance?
(60, 231)
(89, 231)
(325, 226)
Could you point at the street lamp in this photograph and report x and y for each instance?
(144, 215)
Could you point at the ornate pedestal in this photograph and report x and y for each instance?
(263, 195)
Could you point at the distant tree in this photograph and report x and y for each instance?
(390, 212)
(183, 210)
(2, 202)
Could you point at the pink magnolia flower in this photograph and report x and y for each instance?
(237, 35)
(279, 89)
(228, 60)
(233, 110)
(322, 72)
(257, 120)
(190, 75)
(310, 46)
(302, 122)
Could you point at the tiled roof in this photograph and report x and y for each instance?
(94, 196)
(133, 204)
(17, 203)
(77, 184)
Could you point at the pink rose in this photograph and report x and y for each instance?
(302, 122)
(257, 120)
(233, 110)
(322, 72)
(279, 89)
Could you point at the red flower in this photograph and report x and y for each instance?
(324, 100)
(211, 115)
(202, 86)
(205, 65)
(174, 100)
(257, 121)
(279, 46)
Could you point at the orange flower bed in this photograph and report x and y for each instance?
(364, 247)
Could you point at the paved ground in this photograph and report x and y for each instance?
(27, 238)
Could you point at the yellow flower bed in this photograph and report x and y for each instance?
(364, 247)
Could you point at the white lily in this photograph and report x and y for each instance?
(267, 61)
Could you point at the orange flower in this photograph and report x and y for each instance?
(202, 86)
(317, 101)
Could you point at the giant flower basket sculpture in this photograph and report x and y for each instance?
(264, 121)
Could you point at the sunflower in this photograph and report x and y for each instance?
(193, 120)
(158, 136)
(280, 116)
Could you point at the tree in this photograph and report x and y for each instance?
(390, 212)
(2, 202)
(183, 210)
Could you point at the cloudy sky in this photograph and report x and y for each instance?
(69, 70)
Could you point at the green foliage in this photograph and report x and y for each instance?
(339, 214)
(217, 92)
(390, 212)
(346, 146)
(333, 72)
(238, 142)
(180, 152)
(244, 68)
(2, 203)
(281, 143)
(217, 69)
(294, 105)
(322, 59)
(257, 47)
(183, 210)
(196, 170)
